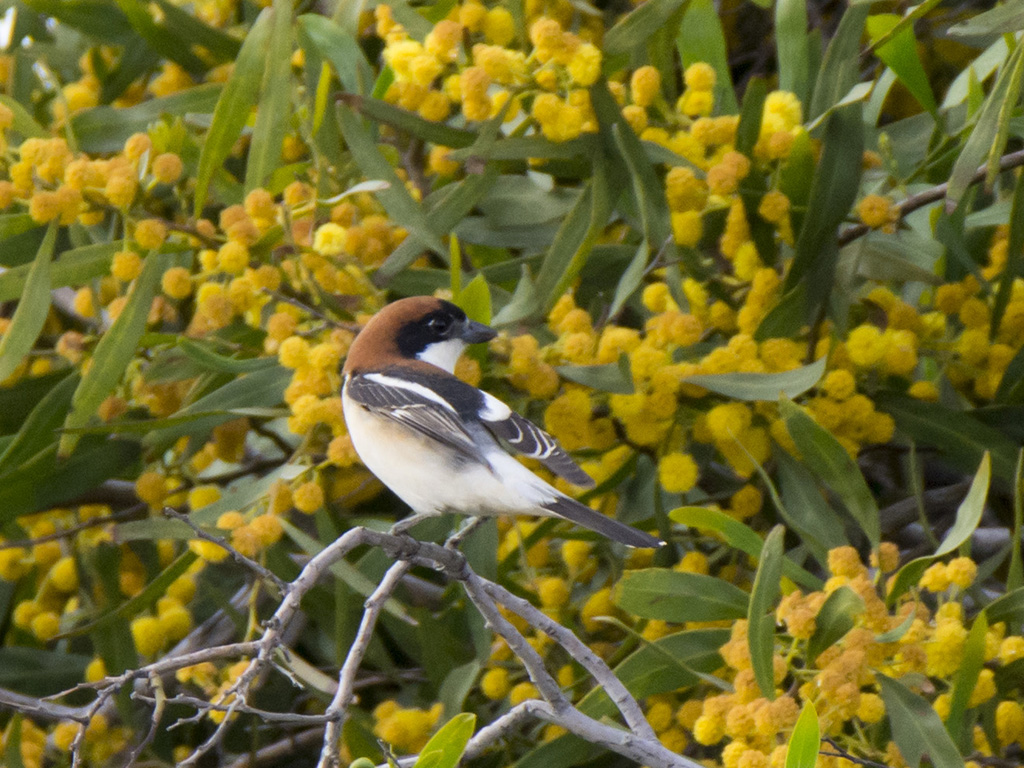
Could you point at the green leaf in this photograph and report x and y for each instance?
(827, 459)
(968, 515)
(409, 122)
(608, 377)
(274, 109)
(988, 136)
(396, 198)
(761, 386)
(162, 38)
(105, 129)
(201, 353)
(958, 436)
(262, 388)
(40, 428)
(804, 509)
(115, 350)
(793, 46)
(640, 24)
(1015, 571)
(899, 53)
(576, 237)
(23, 122)
(236, 100)
(837, 616)
(12, 744)
(965, 680)
(96, 18)
(761, 611)
(33, 307)
(1008, 607)
(147, 598)
(1000, 20)
(805, 741)
(656, 593)
(840, 69)
(334, 43)
(701, 38)
(737, 535)
(45, 481)
(75, 267)
(833, 191)
(631, 280)
(1013, 269)
(475, 300)
(448, 743)
(916, 727)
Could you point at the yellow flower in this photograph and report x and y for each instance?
(677, 472)
(499, 26)
(126, 266)
(330, 239)
(699, 76)
(961, 571)
(523, 692)
(877, 211)
(585, 65)
(687, 228)
(64, 575)
(150, 233)
(176, 283)
(495, 684)
(147, 635)
(865, 346)
(167, 167)
(553, 592)
(644, 85)
(308, 497)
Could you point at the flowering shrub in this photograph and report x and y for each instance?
(788, 310)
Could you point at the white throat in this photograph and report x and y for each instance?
(443, 354)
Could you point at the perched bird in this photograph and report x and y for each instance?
(443, 445)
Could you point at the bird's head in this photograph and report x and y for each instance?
(417, 328)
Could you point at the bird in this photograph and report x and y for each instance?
(442, 445)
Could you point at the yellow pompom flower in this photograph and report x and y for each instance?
(330, 239)
(687, 228)
(522, 692)
(699, 76)
(495, 684)
(167, 167)
(176, 283)
(499, 26)
(585, 65)
(126, 266)
(678, 472)
(308, 497)
(961, 571)
(150, 233)
(877, 211)
(644, 85)
(147, 635)
(233, 257)
(553, 592)
(64, 575)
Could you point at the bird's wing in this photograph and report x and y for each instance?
(415, 406)
(527, 438)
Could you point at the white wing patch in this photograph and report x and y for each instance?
(494, 409)
(409, 386)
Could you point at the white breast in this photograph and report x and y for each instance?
(433, 479)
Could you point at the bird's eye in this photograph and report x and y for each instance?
(439, 324)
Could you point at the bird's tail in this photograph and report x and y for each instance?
(595, 521)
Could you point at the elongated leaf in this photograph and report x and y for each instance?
(762, 386)
(833, 190)
(232, 111)
(655, 593)
(40, 428)
(189, 27)
(916, 727)
(105, 128)
(840, 69)
(805, 741)
(639, 25)
(411, 123)
(1015, 571)
(75, 267)
(23, 122)
(966, 678)
(983, 141)
(396, 198)
(45, 481)
(608, 377)
(1008, 608)
(792, 42)
(898, 50)
(164, 39)
(837, 616)
(97, 18)
(447, 745)
(823, 454)
(575, 239)
(339, 47)
(737, 535)
(959, 437)
(968, 515)
(203, 355)
(701, 38)
(805, 510)
(761, 611)
(274, 108)
(32, 309)
(1000, 20)
(115, 350)
(631, 280)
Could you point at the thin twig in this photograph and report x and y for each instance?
(932, 195)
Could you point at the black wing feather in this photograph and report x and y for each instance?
(606, 526)
(414, 411)
(530, 440)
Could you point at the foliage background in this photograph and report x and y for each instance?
(675, 211)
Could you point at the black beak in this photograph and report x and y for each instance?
(474, 332)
